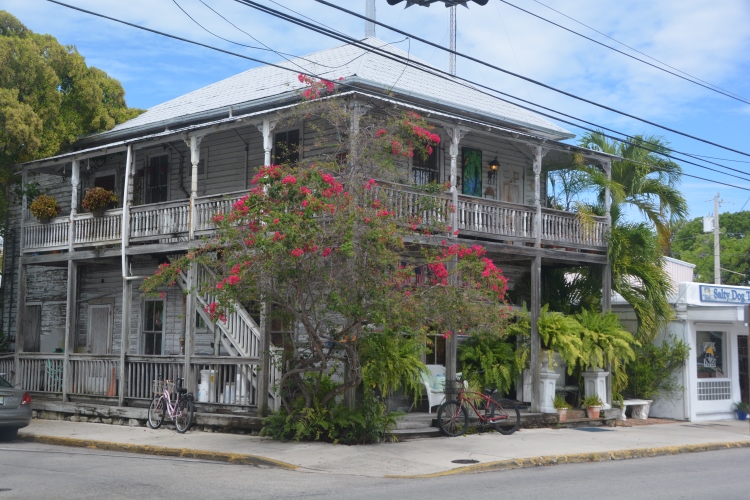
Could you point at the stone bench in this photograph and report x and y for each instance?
(640, 408)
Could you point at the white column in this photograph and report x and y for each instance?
(194, 143)
(127, 284)
(266, 128)
(456, 134)
(74, 185)
(538, 153)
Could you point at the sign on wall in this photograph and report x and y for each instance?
(728, 294)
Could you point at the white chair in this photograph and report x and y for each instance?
(434, 383)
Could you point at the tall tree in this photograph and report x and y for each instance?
(690, 243)
(646, 181)
(48, 98)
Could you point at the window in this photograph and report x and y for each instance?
(425, 170)
(286, 147)
(153, 327)
(156, 180)
(437, 356)
(710, 347)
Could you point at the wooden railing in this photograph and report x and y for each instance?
(170, 218)
(141, 371)
(7, 366)
(206, 207)
(232, 380)
(40, 372)
(50, 236)
(105, 230)
(94, 375)
(495, 219)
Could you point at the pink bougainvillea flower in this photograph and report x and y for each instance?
(298, 252)
(289, 179)
(381, 132)
(327, 251)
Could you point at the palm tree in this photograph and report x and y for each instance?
(648, 182)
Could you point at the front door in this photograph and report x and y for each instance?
(742, 356)
(100, 329)
(32, 328)
(511, 184)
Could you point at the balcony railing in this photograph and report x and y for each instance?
(168, 221)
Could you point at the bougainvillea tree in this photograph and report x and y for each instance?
(336, 255)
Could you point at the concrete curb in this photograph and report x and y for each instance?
(603, 456)
(216, 456)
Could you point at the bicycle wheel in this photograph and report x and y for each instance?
(504, 416)
(156, 412)
(452, 418)
(184, 414)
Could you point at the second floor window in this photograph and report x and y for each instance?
(286, 147)
(156, 180)
(425, 170)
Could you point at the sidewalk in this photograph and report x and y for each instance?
(424, 457)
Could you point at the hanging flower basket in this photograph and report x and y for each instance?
(45, 208)
(97, 199)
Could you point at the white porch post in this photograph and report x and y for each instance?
(456, 133)
(71, 305)
(265, 361)
(266, 128)
(194, 143)
(536, 286)
(127, 283)
(74, 184)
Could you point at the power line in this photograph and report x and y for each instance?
(446, 76)
(731, 96)
(722, 159)
(535, 82)
(343, 84)
(632, 48)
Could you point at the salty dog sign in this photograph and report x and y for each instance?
(713, 293)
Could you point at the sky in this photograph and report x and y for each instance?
(708, 39)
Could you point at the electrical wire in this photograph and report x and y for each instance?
(632, 48)
(447, 76)
(731, 96)
(175, 37)
(511, 73)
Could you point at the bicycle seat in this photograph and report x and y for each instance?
(489, 392)
(182, 390)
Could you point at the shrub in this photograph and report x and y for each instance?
(559, 403)
(97, 198)
(590, 401)
(652, 370)
(392, 361)
(45, 206)
(490, 354)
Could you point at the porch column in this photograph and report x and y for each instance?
(266, 128)
(356, 110)
(194, 143)
(21, 300)
(74, 183)
(70, 324)
(535, 364)
(456, 133)
(265, 361)
(607, 271)
(127, 283)
(192, 281)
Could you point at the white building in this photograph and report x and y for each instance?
(713, 321)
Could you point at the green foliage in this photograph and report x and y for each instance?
(45, 206)
(48, 98)
(691, 244)
(490, 354)
(605, 341)
(391, 362)
(332, 421)
(590, 401)
(559, 403)
(741, 406)
(98, 197)
(561, 333)
(651, 372)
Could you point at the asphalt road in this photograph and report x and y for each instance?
(30, 471)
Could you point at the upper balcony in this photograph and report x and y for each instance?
(171, 221)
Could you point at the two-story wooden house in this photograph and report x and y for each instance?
(83, 330)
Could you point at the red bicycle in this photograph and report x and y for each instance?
(502, 414)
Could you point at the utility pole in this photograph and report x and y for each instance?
(452, 36)
(370, 14)
(717, 249)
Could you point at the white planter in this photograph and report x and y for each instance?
(547, 384)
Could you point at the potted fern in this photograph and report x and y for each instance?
(98, 199)
(562, 407)
(593, 405)
(45, 208)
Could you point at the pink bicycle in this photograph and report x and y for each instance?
(180, 410)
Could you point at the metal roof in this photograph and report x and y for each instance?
(265, 84)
